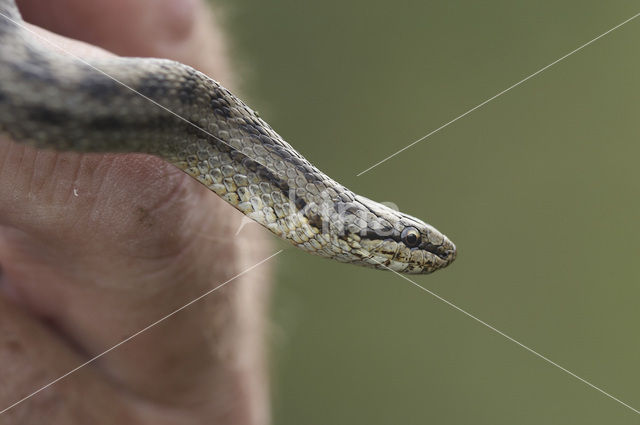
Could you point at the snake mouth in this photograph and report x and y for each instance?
(446, 251)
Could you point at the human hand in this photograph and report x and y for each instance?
(94, 248)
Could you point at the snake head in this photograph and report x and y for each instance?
(396, 241)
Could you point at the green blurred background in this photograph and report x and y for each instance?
(538, 189)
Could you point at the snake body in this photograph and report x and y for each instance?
(54, 101)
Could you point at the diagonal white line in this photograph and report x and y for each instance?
(498, 95)
(44, 387)
(499, 332)
(278, 252)
(78, 58)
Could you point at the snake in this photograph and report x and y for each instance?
(52, 100)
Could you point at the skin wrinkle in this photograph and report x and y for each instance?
(28, 156)
(178, 183)
(21, 265)
(57, 187)
(54, 403)
(150, 300)
(166, 196)
(96, 172)
(23, 153)
(64, 186)
(39, 180)
(176, 254)
(5, 157)
(74, 182)
(176, 245)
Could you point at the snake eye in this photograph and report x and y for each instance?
(411, 237)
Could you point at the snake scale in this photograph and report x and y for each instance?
(51, 100)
